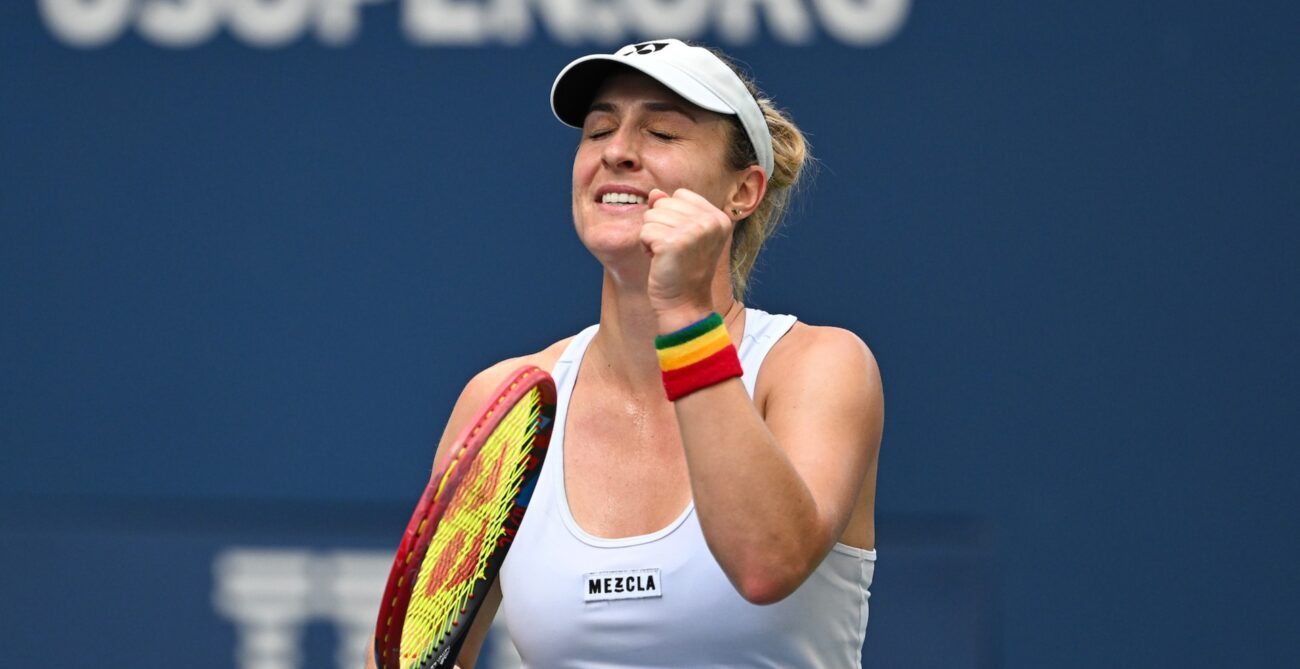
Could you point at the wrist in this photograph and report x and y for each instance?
(672, 320)
(697, 356)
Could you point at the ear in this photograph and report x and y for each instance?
(748, 193)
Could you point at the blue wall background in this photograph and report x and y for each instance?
(241, 288)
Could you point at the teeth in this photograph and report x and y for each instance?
(622, 198)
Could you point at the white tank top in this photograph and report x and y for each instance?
(660, 600)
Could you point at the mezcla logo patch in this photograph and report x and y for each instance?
(631, 584)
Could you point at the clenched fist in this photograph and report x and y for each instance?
(685, 236)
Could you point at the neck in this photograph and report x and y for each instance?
(628, 326)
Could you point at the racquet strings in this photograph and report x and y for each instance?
(467, 534)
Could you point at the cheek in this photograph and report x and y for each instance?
(711, 181)
(584, 170)
(688, 174)
(585, 161)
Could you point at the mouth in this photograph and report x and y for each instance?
(621, 196)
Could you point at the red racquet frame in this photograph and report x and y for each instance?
(433, 505)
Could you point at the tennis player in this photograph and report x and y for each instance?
(708, 498)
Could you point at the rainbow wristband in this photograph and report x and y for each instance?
(697, 356)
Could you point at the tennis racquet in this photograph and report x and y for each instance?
(463, 525)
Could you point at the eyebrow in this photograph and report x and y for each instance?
(653, 106)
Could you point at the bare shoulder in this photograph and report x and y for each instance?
(479, 388)
(487, 380)
(810, 357)
(819, 392)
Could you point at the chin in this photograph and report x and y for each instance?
(610, 230)
(612, 243)
(604, 243)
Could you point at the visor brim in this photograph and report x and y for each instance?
(577, 84)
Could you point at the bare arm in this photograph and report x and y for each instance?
(773, 490)
(774, 495)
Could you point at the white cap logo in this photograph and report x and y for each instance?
(643, 48)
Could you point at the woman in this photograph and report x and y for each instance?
(730, 525)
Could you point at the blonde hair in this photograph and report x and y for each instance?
(790, 155)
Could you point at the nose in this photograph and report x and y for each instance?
(622, 150)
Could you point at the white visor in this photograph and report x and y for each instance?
(689, 71)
